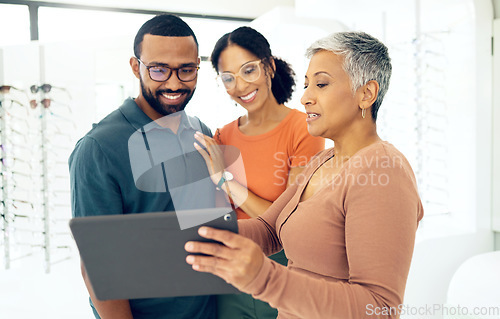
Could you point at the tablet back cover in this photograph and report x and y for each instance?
(142, 255)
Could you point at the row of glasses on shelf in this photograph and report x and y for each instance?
(35, 136)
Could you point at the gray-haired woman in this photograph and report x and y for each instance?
(348, 224)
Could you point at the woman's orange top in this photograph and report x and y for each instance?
(267, 158)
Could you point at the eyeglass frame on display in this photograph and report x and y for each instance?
(11, 104)
(4, 160)
(47, 88)
(6, 89)
(45, 102)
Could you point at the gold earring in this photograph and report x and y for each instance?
(363, 113)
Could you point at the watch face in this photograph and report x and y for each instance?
(228, 176)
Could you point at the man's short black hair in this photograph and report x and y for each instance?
(167, 25)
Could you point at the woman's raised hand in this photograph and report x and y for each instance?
(212, 154)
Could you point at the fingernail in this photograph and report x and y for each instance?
(189, 246)
(203, 231)
(190, 259)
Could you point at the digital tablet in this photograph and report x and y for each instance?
(142, 255)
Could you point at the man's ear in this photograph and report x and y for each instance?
(369, 94)
(134, 64)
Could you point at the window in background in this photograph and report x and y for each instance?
(84, 55)
(428, 112)
(86, 24)
(89, 24)
(110, 35)
(14, 23)
(208, 31)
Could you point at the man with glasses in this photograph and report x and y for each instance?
(141, 157)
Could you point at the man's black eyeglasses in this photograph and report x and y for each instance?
(160, 73)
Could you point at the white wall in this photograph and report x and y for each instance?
(496, 130)
(277, 25)
(496, 125)
(436, 259)
(434, 262)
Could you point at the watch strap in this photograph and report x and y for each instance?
(221, 181)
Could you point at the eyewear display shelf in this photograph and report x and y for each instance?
(35, 135)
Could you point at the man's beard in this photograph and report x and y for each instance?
(165, 109)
